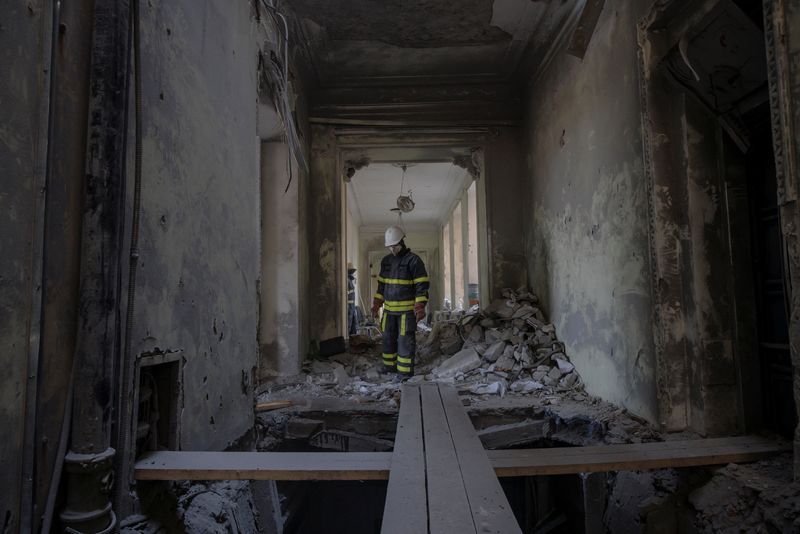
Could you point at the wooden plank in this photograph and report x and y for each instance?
(448, 507)
(692, 453)
(406, 508)
(193, 465)
(204, 465)
(491, 511)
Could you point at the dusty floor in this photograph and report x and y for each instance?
(520, 390)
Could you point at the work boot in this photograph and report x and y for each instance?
(399, 378)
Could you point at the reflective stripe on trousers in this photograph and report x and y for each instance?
(399, 339)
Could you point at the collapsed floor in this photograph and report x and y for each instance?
(520, 390)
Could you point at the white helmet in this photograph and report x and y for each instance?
(394, 234)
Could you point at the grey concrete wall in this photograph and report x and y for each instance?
(324, 238)
(587, 241)
(23, 128)
(199, 260)
(279, 328)
(506, 211)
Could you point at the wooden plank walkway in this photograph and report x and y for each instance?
(407, 489)
(439, 459)
(633, 457)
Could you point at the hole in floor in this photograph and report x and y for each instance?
(553, 504)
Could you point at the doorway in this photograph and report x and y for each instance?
(769, 278)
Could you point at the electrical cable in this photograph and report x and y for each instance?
(282, 104)
(133, 256)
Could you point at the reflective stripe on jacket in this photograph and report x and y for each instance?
(402, 282)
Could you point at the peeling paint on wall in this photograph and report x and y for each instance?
(586, 239)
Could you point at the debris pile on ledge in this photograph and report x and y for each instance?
(507, 346)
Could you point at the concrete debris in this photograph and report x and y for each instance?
(492, 388)
(494, 351)
(139, 524)
(760, 497)
(462, 362)
(526, 386)
(505, 436)
(341, 376)
(508, 346)
(218, 507)
(564, 365)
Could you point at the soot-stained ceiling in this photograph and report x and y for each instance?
(418, 42)
(416, 24)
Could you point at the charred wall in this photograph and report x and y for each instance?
(199, 262)
(24, 85)
(586, 241)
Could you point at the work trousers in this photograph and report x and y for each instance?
(352, 320)
(399, 341)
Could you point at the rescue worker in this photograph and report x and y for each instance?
(403, 292)
(352, 318)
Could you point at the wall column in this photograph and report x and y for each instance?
(326, 282)
(279, 328)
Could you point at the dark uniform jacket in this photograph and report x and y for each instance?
(403, 281)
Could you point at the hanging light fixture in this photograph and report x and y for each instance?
(405, 202)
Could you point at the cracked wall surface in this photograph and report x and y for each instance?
(586, 240)
(199, 260)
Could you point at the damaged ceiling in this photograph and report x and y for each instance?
(363, 42)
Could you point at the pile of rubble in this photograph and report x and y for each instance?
(507, 346)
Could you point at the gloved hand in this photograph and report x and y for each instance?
(376, 305)
(419, 311)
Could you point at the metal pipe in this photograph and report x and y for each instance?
(89, 463)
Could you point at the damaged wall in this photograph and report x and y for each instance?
(23, 130)
(586, 241)
(505, 211)
(324, 243)
(199, 260)
(280, 314)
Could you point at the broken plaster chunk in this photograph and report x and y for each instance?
(476, 335)
(487, 323)
(523, 312)
(555, 373)
(526, 386)
(494, 351)
(323, 379)
(505, 363)
(539, 375)
(493, 388)
(568, 380)
(493, 335)
(564, 365)
(340, 375)
(462, 362)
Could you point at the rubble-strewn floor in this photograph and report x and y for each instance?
(520, 390)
